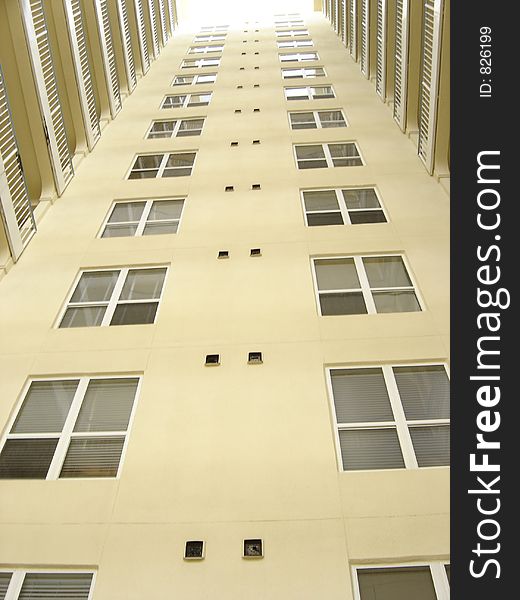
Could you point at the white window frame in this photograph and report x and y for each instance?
(195, 80)
(365, 288)
(345, 212)
(437, 571)
(399, 424)
(310, 92)
(316, 116)
(298, 57)
(295, 44)
(143, 220)
(186, 101)
(303, 75)
(292, 33)
(208, 38)
(200, 63)
(67, 433)
(113, 301)
(328, 157)
(176, 128)
(164, 161)
(206, 49)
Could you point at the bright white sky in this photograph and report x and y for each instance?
(225, 12)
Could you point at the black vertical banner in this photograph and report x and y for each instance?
(484, 51)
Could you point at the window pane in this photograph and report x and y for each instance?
(321, 200)
(386, 271)
(93, 457)
(135, 314)
(424, 391)
(360, 396)
(361, 198)
(162, 129)
(332, 118)
(199, 99)
(95, 286)
(367, 216)
(303, 120)
(448, 572)
(181, 160)
(306, 152)
(346, 303)
(398, 583)
(85, 316)
(389, 302)
(126, 211)
(112, 231)
(143, 284)
(5, 578)
(26, 459)
(165, 209)
(181, 80)
(148, 161)
(296, 93)
(45, 407)
(208, 78)
(343, 150)
(337, 274)
(190, 127)
(174, 101)
(150, 174)
(160, 228)
(371, 449)
(58, 586)
(322, 92)
(107, 405)
(316, 219)
(431, 445)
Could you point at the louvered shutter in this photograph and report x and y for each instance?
(353, 28)
(126, 45)
(401, 62)
(364, 63)
(344, 4)
(172, 15)
(141, 35)
(381, 49)
(162, 21)
(47, 91)
(429, 80)
(5, 578)
(64, 586)
(76, 27)
(108, 56)
(15, 204)
(153, 27)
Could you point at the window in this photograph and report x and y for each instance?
(295, 44)
(187, 100)
(206, 49)
(309, 93)
(356, 285)
(288, 23)
(175, 128)
(424, 581)
(298, 57)
(70, 427)
(126, 296)
(214, 28)
(318, 119)
(292, 33)
(143, 217)
(218, 37)
(197, 63)
(194, 79)
(149, 166)
(347, 206)
(300, 73)
(315, 156)
(391, 417)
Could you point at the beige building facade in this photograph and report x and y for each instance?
(225, 338)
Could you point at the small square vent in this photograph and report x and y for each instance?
(223, 254)
(256, 186)
(253, 549)
(254, 358)
(256, 110)
(212, 360)
(194, 550)
(229, 188)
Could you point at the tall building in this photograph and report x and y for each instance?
(224, 319)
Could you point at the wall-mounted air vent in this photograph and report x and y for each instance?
(256, 252)
(254, 358)
(223, 254)
(253, 549)
(212, 360)
(194, 550)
